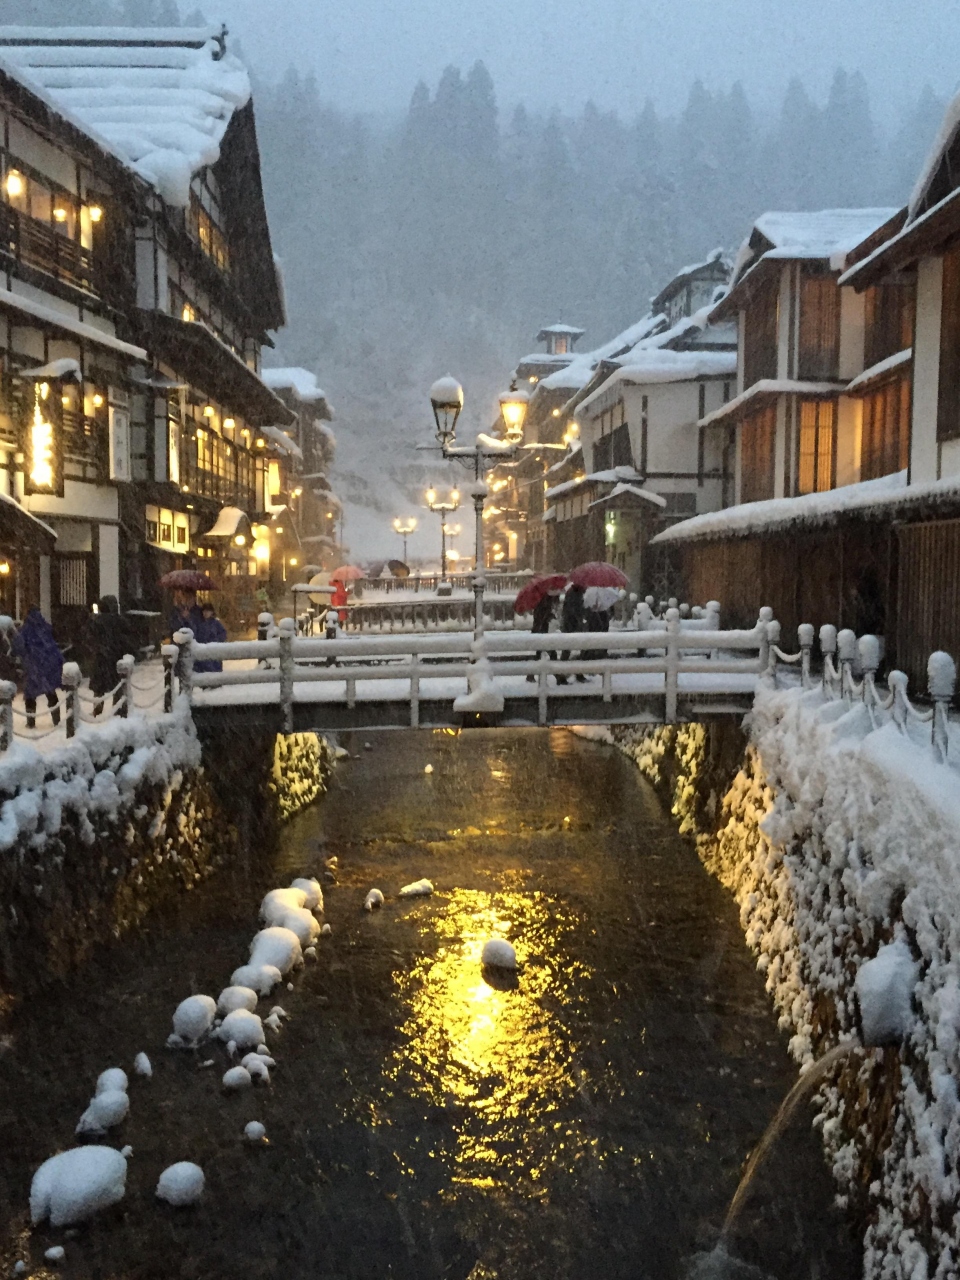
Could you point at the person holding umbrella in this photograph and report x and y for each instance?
(541, 597)
(572, 620)
(185, 583)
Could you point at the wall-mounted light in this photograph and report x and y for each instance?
(229, 424)
(97, 400)
(188, 313)
(293, 562)
(44, 390)
(261, 550)
(240, 540)
(208, 411)
(65, 400)
(279, 529)
(95, 212)
(14, 184)
(60, 214)
(261, 444)
(4, 568)
(41, 446)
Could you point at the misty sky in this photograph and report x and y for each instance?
(368, 55)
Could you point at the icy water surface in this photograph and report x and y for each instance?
(590, 1120)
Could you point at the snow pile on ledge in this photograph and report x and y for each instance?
(98, 773)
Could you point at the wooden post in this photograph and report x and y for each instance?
(805, 636)
(264, 623)
(170, 653)
(7, 691)
(543, 676)
(351, 692)
(942, 686)
(183, 639)
(773, 639)
(71, 683)
(671, 667)
(125, 671)
(415, 692)
(286, 673)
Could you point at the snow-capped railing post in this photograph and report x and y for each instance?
(848, 654)
(264, 623)
(805, 638)
(70, 679)
(868, 648)
(772, 633)
(7, 691)
(125, 667)
(828, 647)
(942, 687)
(415, 691)
(763, 644)
(671, 668)
(184, 641)
(169, 653)
(287, 627)
(543, 667)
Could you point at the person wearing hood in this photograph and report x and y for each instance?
(210, 630)
(109, 636)
(36, 647)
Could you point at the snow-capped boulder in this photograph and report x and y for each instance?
(142, 1065)
(301, 922)
(313, 893)
(111, 1079)
(326, 931)
(278, 901)
(254, 1131)
(193, 1018)
(884, 987)
(106, 1110)
(237, 1078)
(278, 947)
(428, 768)
(243, 1028)
(418, 889)
(373, 900)
(257, 1068)
(181, 1184)
(231, 998)
(76, 1184)
(56, 1253)
(498, 954)
(261, 978)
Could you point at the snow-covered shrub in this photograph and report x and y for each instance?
(301, 766)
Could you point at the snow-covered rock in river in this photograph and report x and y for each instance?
(326, 931)
(142, 1065)
(498, 954)
(418, 889)
(237, 1078)
(373, 899)
(278, 947)
(76, 1184)
(232, 998)
(243, 1028)
(56, 1253)
(279, 901)
(261, 978)
(301, 922)
(105, 1110)
(254, 1131)
(310, 953)
(181, 1183)
(885, 987)
(111, 1079)
(258, 1068)
(313, 894)
(428, 768)
(193, 1018)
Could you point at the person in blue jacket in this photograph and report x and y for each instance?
(209, 630)
(36, 647)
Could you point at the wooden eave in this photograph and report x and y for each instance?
(928, 234)
(748, 286)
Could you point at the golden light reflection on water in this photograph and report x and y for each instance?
(503, 1061)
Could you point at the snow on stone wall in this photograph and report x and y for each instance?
(837, 840)
(301, 765)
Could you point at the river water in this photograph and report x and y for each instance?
(589, 1121)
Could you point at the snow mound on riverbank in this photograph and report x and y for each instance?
(418, 889)
(278, 948)
(242, 1027)
(885, 987)
(498, 954)
(181, 1184)
(193, 1018)
(261, 978)
(76, 1184)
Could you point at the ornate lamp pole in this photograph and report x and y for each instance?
(446, 400)
(405, 528)
(452, 503)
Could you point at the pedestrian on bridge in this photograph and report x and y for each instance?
(209, 630)
(36, 647)
(110, 640)
(572, 620)
(544, 612)
(331, 629)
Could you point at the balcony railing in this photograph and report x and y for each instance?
(32, 244)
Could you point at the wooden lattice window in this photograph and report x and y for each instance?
(819, 354)
(758, 434)
(817, 446)
(885, 437)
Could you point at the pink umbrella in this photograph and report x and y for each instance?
(347, 573)
(595, 573)
(529, 597)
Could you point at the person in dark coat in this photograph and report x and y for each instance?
(110, 640)
(209, 630)
(36, 647)
(544, 613)
(186, 613)
(571, 620)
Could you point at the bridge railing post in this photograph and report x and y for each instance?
(671, 667)
(828, 647)
(772, 634)
(7, 693)
(70, 679)
(805, 637)
(543, 676)
(169, 653)
(848, 653)
(125, 667)
(942, 687)
(415, 691)
(285, 640)
(184, 640)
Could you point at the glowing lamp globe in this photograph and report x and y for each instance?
(513, 408)
(446, 400)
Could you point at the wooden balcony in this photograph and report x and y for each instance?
(30, 243)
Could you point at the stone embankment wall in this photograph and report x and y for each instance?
(836, 838)
(96, 833)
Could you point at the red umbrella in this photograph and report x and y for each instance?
(529, 597)
(347, 573)
(597, 574)
(187, 580)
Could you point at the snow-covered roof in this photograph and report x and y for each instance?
(715, 263)
(622, 487)
(228, 521)
(646, 367)
(881, 369)
(582, 367)
(822, 234)
(946, 134)
(810, 509)
(613, 475)
(570, 330)
(771, 387)
(60, 319)
(301, 382)
(281, 439)
(160, 99)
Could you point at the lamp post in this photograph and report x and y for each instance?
(446, 400)
(405, 528)
(451, 503)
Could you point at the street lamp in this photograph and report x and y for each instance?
(446, 399)
(513, 409)
(405, 528)
(451, 503)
